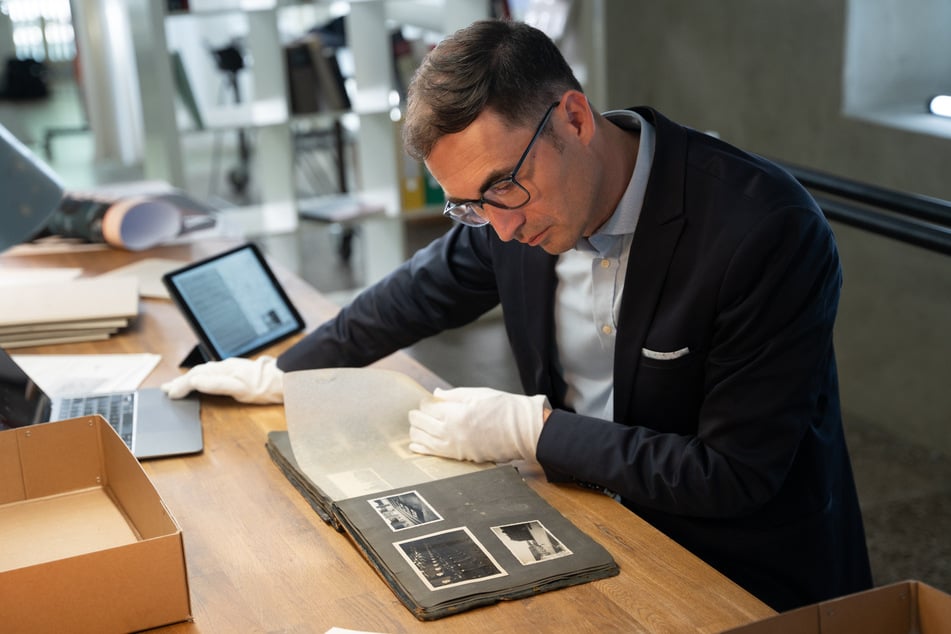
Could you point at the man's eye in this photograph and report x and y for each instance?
(501, 188)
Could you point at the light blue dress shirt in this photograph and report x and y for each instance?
(590, 285)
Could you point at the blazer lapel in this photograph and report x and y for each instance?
(655, 240)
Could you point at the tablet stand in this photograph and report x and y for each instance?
(197, 356)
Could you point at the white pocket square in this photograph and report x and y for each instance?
(665, 356)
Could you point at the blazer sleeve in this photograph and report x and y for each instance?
(445, 285)
(768, 388)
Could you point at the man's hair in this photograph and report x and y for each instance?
(511, 68)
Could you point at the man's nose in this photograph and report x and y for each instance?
(506, 222)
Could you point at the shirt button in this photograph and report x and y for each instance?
(606, 329)
(605, 263)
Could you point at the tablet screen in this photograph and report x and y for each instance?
(233, 302)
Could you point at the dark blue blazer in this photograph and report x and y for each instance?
(734, 449)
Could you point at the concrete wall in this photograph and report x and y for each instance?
(767, 76)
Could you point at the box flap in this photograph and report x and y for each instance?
(61, 456)
(799, 621)
(11, 477)
(905, 607)
(934, 610)
(132, 489)
(885, 610)
(128, 588)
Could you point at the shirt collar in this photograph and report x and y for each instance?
(624, 219)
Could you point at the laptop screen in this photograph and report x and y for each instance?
(22, 402)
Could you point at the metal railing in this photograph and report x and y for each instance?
(919, 220)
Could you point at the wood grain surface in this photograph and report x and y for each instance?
(260, 560)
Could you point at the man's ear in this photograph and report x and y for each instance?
(579, 114)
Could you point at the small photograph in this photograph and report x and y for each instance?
(449, 558)
(530, 542)
(271, 319)
(357, 482)
(404, 510)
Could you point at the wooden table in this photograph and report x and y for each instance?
(260, 560)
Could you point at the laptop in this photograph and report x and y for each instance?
(150, 423)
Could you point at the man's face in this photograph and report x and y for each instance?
(559, 211)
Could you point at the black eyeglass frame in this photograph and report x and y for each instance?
(467, 212)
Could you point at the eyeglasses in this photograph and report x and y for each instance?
(506, 193)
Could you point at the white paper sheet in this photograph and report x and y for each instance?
(16, 277)
(59, 374)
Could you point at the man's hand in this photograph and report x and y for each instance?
(478, 424)
(249, 381)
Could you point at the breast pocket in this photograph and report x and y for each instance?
(668, 390)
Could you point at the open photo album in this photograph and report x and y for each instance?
(445, 535)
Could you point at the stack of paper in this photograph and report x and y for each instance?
(85, 309)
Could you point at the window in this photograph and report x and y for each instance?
(42, 29)
(897, 57)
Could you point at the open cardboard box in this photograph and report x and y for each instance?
(87, 543)
(907, 607)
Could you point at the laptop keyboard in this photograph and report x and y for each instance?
(118, 409)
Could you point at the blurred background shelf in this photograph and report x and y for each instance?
(250, 98)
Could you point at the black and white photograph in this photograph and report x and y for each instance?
(404, 510)
(449, 558)
(356, 482)
(530, 542)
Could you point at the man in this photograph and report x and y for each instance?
(669, 301)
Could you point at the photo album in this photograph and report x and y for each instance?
(445, 535)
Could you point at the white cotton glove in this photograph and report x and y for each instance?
(246, 380)
(478, 424)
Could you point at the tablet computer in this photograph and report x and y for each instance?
(233, 303)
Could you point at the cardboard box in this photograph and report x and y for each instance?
(87, 543)
(907, 607)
